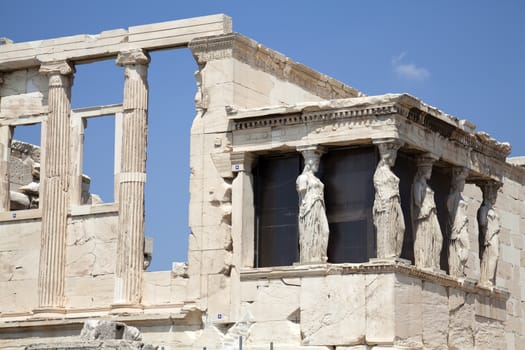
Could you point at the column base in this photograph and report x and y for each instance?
(486, 285)
(49, 312)
(122, 309)
(392, 260)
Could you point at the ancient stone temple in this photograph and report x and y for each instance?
(321, 218)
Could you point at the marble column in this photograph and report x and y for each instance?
(55, 189)
(457, 226)
(388, 215)
(6, 134)
(489, 229)
(312, 221)
(132, 179)
(428, 239)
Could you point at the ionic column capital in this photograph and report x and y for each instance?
(132, 57)
(242, 161)
(57, 67)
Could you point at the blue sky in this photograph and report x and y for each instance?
(465, 57)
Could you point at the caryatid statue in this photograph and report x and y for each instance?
(388, 216)
(489, 228)
(459, 245)
(313, 224)
(428, 239)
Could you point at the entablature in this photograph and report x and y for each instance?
(82, 48)
(361, 120)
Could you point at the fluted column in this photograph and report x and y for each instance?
(55, 187)
(5, 150)
(6, 133)
(132, 179)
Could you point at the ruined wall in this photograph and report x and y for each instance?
(390, 310)
(218, 296)
(90, 262)
(23, 93)
(511, 264)
(235, 73)
(19, 256)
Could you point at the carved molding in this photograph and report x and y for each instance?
(136, 56)
(57, 67)
(312, 117)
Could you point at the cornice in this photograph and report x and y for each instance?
(314, 117)
(408, 107)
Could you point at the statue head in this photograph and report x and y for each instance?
(311, 160)
(490, 191)
(459, 176)
(312, 157)
(424, 167)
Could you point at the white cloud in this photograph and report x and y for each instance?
(398, 58)
(409, 71)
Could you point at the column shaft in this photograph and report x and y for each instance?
(5, 151)
(130, 255)
(55, 183)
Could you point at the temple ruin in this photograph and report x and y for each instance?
(321, 218)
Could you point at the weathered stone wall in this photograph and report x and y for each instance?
(393, 310)
(218, 296)
(511, 263)
(235, 73)
(510, 272)
(19, 255)
(90, 262)
(23, 92)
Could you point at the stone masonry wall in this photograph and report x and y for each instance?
(228, 80)
(511, 265)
